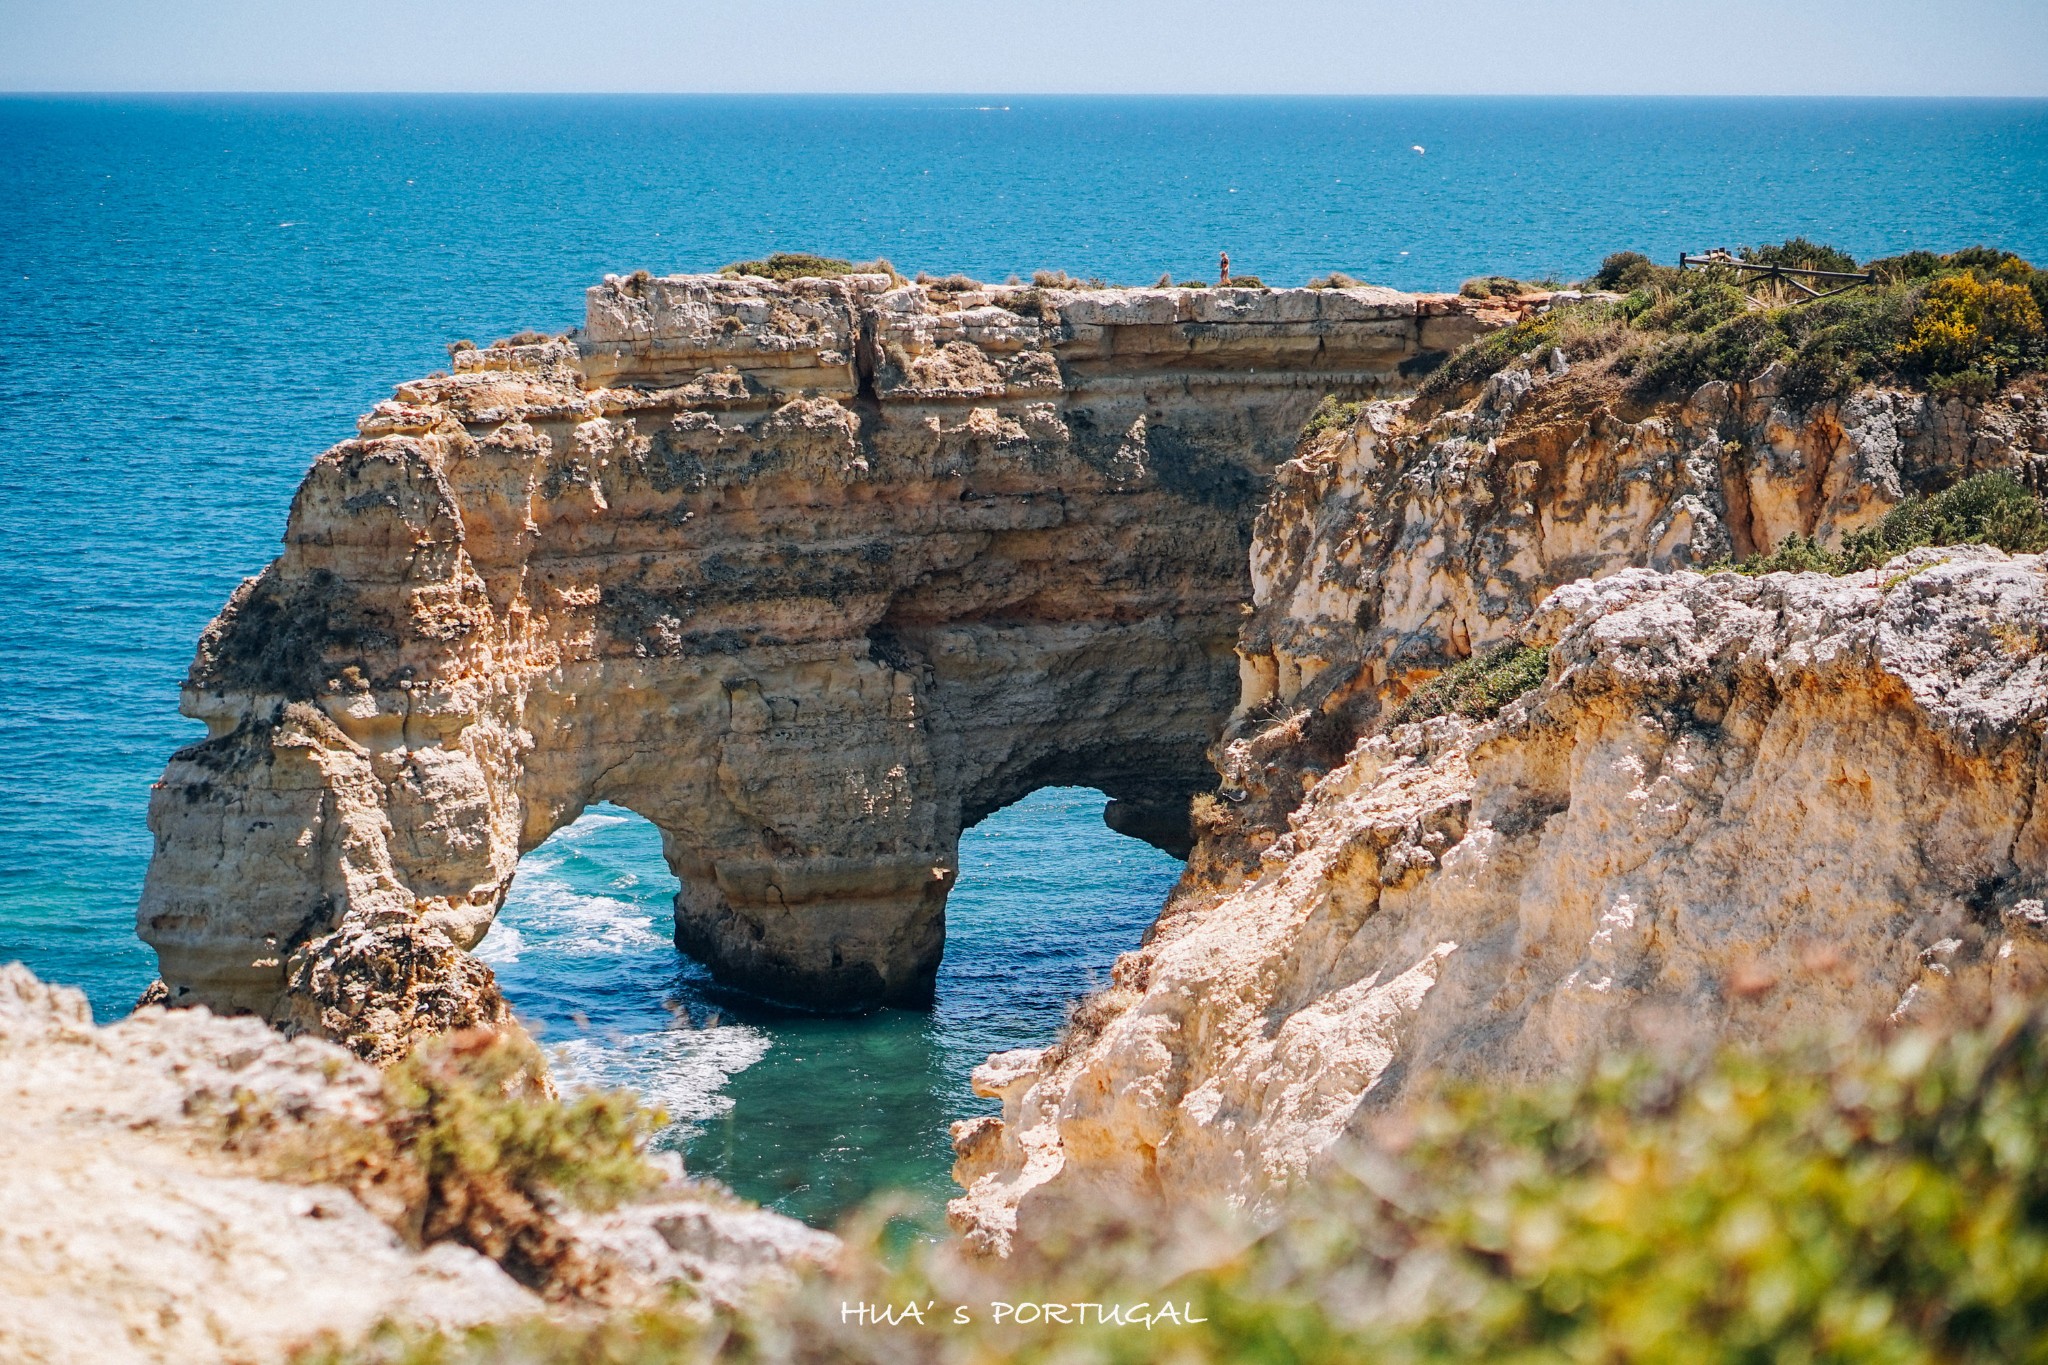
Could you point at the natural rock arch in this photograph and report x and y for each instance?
(810, 575)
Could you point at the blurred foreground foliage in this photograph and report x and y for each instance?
(1879, 1200)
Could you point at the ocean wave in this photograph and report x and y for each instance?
(595, 819)
(549, 909)
(680, 1070)
(502, 945)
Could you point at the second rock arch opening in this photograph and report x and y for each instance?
(811, 1113)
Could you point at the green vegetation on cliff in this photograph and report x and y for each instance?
(1987, 509)
(470, 1147)
(1332, 414)
(1959, 325)
(1477, 687)
(783, 266)
(1504, 287)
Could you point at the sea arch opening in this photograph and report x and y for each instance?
(584, 951)
(812, 1112)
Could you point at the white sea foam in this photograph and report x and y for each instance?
(501, 946)
(573, 902)
(545, 908)
(681, 1070)
(598, 819)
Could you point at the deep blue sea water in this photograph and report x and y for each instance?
(197, 295)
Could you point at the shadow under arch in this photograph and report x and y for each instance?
(812, 1113)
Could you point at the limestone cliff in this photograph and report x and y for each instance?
(1737, 806)
(812, 575)
(1414, 538)
(144, 1216)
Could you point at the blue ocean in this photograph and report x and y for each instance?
(198, 295)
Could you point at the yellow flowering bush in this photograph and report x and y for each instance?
(1971, 331)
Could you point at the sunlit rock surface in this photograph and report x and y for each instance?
(129, 1233)
(1739, 807)
(811, 575)
(145, 1213)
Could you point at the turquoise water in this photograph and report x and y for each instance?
(197, 295)
(812, 1113)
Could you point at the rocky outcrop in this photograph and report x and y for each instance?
(140, 1221)
(812, 575)
(1414, 539)
(815, 575)
(1737, 806)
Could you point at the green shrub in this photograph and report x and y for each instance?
(466, 1109)
(1906, 268)
(1968, 332)
(1478, 687)
(1489, 355)
(1736, 348)
(1330, 415)
(471, 1148)
(1986, 509)
(1801, 254)
(1959, 325)
(1499, 287)
(1695, 302)
(1841, 342)
(1794, 554)
(1627, 271)
(1336, 279)
(784, 266)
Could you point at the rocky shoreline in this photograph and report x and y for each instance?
(1733, 807)
(811, 574)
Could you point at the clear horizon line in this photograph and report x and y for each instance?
(102, 93)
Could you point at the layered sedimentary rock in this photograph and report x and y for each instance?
(811, 575)
(140, 1222)
(1416, 538)
(1737, 807)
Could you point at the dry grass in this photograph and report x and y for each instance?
(784, 266)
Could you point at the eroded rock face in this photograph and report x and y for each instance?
(810, 575)
(1415, 539)
(1739, 808)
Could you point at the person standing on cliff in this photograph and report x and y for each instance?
(1223, 272)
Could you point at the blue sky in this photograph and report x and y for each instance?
(1882, 47)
